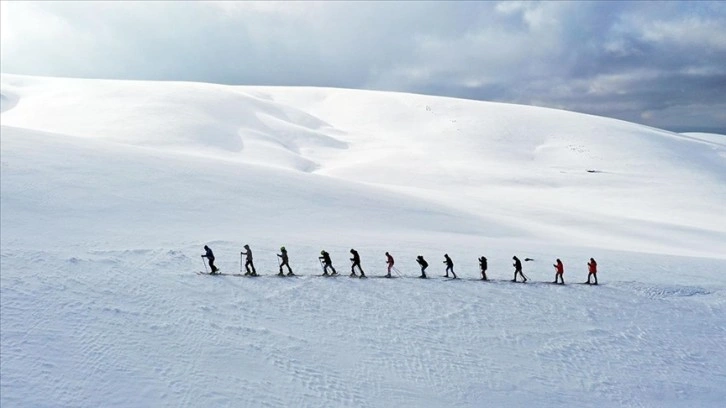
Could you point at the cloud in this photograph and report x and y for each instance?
(631, 60)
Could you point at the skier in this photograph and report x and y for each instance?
(483, 267)
(592, 268)
(449, 266)
(421, 261)
(356, 262)
(210, 257)
(559, 271)
(327, 263)
(248, 262)
(284, 262)
(389, 262)
(518, 269)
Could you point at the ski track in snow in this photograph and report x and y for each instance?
(84, 331)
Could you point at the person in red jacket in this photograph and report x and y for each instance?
(389, 262)
(559, 271)
(592, 268)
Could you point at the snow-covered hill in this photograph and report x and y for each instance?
(109, 189)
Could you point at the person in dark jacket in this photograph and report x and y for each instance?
(518, 269)
(356, 262)
(559, 272)
(421, 261)
(210, 257)
(483, 267)
(449, 266)
(284, 262)
(249, 266)
(327, 263)
(389, 263)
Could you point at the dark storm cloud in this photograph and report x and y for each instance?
(659, 63)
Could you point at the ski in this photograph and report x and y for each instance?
(242, 275)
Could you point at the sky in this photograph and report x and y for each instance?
(661, 64)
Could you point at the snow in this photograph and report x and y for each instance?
(110, 189)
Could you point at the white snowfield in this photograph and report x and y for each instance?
(110, 189)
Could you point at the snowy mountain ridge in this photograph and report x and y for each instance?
(523, 164)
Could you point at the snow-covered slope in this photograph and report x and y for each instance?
(109, 189)
(507, 170)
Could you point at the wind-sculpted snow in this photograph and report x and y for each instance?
(54, 183)
(135, 327)
(7, 101)
(198, 118)
(110, 189)
(664, 291)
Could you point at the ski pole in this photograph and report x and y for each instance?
(397, 271)
(321, 265)
(240, 263)
(205, 265)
